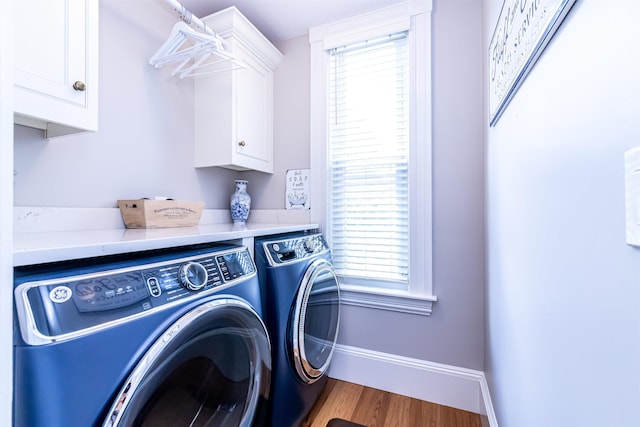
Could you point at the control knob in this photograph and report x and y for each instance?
(193, 276)
(310, 245)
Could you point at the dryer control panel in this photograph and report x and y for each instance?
(294, 249)
(63, 307)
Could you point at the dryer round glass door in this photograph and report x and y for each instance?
(316, 317)
(211, 367)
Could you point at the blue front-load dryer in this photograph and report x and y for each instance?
(301, 299)
(168, 338)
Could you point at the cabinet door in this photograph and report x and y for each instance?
(56, 63)
(234, 110)
(254, 117)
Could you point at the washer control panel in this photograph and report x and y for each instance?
(294, 249)
(159, 283)
(63, 305)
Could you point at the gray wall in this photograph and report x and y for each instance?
(144, 148)
(144, 145)
(563, 291)
(454, 333)
(290, 127)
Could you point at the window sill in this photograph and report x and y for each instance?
(380, 299)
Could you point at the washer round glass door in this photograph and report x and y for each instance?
(212, 367)
(316, 317)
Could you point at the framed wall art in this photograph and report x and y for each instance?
(297, 189)
(522, 32)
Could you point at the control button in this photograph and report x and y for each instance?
(193, 276)
(276, 247)
(154, 286)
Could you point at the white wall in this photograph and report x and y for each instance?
(6, 213)
(563, 291)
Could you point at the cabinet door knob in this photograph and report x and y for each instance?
(242, 143)
(79, 86)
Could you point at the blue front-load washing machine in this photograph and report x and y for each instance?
(163, 338)
(302, 306)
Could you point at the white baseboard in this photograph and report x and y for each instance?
(447, 385)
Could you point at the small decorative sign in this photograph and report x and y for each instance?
(523, 30)
(297, 189)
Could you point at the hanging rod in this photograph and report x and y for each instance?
(187, 17)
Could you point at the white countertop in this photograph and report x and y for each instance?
(42, 247)
(33, 245)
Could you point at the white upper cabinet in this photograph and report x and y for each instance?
(56, 65)
(234, 109)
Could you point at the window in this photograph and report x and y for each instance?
(371, 154)
(368, 161)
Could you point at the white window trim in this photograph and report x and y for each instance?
(414, 15)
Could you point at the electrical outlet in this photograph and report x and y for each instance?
(632, 195)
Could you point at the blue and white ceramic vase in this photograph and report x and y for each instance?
(240, 203)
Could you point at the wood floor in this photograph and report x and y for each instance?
(376, 408)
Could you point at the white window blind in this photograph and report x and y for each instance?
(368, 159)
